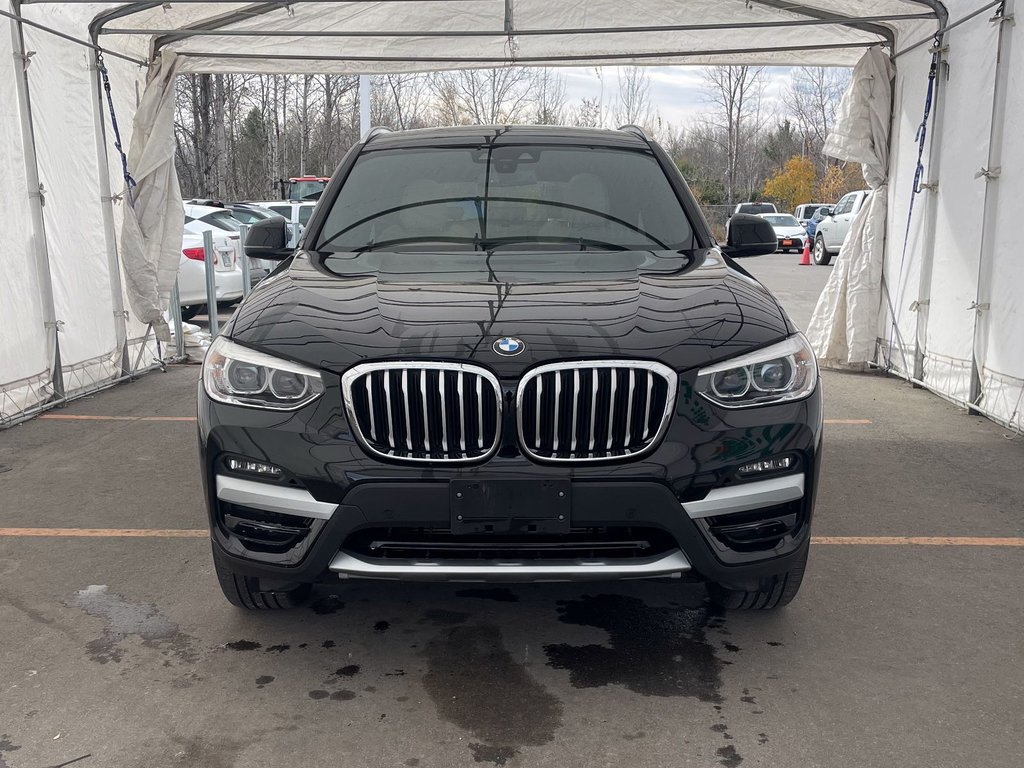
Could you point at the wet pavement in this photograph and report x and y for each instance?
(120, 650)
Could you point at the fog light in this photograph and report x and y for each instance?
(253, 467)
(768, 465)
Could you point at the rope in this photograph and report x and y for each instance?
(130, 182)
(920, 137)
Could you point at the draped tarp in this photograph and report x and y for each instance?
(151, 231)
(844, 326)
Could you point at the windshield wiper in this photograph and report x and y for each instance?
(581, 242)
(375, 245)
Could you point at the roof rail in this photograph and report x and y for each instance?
(636, 130)
(376, 131)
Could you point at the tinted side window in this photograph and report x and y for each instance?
(844, 205)
(282, 210)
(305, 211)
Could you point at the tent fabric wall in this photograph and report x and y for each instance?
(1001, 355)
(24, 362)
(936, 284)
(62, 115)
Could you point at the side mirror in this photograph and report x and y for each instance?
(824, 212)
(749, 235)
(268, 239)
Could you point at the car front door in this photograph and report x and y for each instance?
(844, 219)
(840, 224)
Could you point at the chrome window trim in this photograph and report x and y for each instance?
(352, 374)
(671, 379)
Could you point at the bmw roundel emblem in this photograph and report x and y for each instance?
(508, 346)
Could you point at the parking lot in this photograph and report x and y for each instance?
(904, 647)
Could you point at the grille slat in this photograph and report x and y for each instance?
(424, 411)
(612, 402)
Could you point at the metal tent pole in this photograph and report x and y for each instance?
(109, 230)
(364, 105)
(209, 256)
(243, 233)
(928, 225)
(991, 173)
(35, 197)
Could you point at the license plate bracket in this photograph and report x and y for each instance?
(510, 506)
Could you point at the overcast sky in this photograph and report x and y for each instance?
(675, 91)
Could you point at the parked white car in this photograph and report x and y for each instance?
(789, 232)
(805, 212)
(833, 229)
(192, 273)
(297, 215)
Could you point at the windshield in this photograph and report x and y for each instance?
(756, 207)
(782, 220)
(472, 198)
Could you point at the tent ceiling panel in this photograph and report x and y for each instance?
(416, 35)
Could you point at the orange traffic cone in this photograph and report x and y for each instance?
(805, 258)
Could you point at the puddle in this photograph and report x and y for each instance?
(476, 685)
(652, 651)
(442, 618)
(123, 619)
(501, 594)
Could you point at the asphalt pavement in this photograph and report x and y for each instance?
(904, 647)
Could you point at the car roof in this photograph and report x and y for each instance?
(196, 211)
(283, 202)
(501, 134)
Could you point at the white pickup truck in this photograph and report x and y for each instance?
(833, 228)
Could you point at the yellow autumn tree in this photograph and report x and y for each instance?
(793, 185)
(838, 180)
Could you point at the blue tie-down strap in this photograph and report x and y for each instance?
(128, 180)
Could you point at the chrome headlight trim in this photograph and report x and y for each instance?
(224, 353)
(794, 352)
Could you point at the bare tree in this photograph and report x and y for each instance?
(549, 97)
(400, 101)
(814, 95)
(484, 96)
(735, 95)
(634, 98)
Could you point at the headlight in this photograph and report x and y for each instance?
(777, 374)
(241, 376)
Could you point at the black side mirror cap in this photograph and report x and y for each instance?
(749, 235)
(268, 239)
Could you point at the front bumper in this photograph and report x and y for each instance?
(698, 519)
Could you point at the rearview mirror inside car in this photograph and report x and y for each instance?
(749, 235)
(268, 239)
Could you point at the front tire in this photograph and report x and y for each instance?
(770, 593)
(246, 592)
(820, 253)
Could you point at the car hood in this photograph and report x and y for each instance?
(335, 310)
(789, 231)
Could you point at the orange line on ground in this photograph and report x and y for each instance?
(921, 541)
(113, 533)
(83, 417)
(847, 421)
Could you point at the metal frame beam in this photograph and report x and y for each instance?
(215, 29)
(520, 60)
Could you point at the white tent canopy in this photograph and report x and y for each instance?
(68, 331)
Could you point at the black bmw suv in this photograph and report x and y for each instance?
(510, 354)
